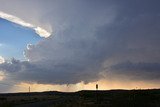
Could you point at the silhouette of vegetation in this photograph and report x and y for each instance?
(111, 98)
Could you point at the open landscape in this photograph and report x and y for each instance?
(79, 53)
(85, 98)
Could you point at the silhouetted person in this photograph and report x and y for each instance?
(96, 86)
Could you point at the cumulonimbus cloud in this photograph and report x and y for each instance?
(40, 31)
(88, 40)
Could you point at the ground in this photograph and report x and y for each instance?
(109, 98)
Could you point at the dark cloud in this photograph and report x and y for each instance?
(137, 71)
(89, 34)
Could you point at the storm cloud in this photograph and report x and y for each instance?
(88, 37)
(137, 71)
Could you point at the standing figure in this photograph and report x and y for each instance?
(96, 86)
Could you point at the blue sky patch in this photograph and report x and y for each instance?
(14, 39)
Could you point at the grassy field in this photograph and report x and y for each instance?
(110, 98)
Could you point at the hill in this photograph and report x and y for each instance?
(85, 98)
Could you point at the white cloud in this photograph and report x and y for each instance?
(1, 60)
(40, 31)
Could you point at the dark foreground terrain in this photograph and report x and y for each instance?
(111, 98)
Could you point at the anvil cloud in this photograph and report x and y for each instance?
(40, 31)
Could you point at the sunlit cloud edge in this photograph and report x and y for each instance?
(40, 31)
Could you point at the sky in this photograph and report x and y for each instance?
(14, 39)
(73, 45)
